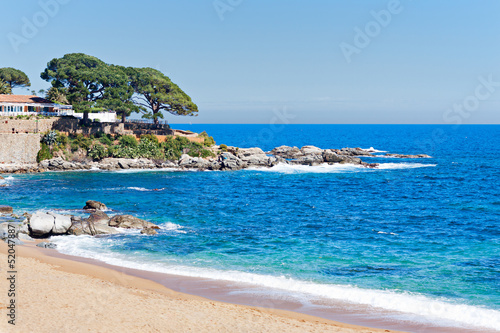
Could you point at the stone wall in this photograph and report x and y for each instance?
(26, 126)
(19, 148)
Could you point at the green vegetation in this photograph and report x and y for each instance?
(14, 78)
(44, 153)
(5, 88)
(209, 141)
(89, 85)
(101, 145)
(223, 147)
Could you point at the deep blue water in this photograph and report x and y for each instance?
(425, 233)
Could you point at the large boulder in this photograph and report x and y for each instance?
(6, 209)
(41, 224)
(311, 150)
(231, 162)
(187, 161)
(99, 217)
(331, 156)
(354, 152)
(253, 157)
(90, 227)
(314, 159)
(61, 223)
(286, 152)
(130, 222)
(94, 205)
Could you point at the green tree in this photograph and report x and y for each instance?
(156, 93)
(57, 95)
(14, 77)
(5, 88)
(88, 83)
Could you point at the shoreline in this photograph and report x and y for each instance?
(57, 266)
(220, 292)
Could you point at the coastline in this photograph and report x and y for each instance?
(133, 303)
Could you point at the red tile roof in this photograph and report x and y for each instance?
(23, 99)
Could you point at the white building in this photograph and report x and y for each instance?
(15, 105)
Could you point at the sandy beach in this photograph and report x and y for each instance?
(59, 295)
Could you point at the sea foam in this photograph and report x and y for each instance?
(416, 307)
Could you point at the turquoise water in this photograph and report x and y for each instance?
(424, 234)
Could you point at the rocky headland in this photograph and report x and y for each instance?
(232, 158)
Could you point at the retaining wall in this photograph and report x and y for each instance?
(19, 148)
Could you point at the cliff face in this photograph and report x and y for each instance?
(19, 148)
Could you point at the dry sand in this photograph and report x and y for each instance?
(60, 295)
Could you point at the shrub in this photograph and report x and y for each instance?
(97, 152)
(105, 140)
(62, 139)
(83, 142)
(44, 153)
(151, 137)
(223, 147)
(50, 138)
(209, 141)
(128, 141)
(149, 149)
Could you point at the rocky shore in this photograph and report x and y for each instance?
(232, 159)
(43, 225)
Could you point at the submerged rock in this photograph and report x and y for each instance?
(130, 222)
(6, 209)
(47, 245)
(149, 231)
(407, 156)
(94, 205)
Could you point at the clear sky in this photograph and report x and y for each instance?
(287, 61)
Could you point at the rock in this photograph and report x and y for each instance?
(253, 157)
(6, 209)
(149, 231)
(95, 205)
(314, 159)
(1, 177)
(331, 156)
(88, 227)
(230, 162)
(25, 237)
(186, 161)
(41, 224)
(130, 222)
(61, 223)
(15, 241)
(47, 245)
(24, 229)
(4, 230)
(99, 217)
(286, 152)
(354, 152)
(407, 156)
(311, 150)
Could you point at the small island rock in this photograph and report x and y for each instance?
(95, 205)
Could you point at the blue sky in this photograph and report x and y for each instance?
(256, 61)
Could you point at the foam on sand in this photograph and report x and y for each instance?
(415, 307)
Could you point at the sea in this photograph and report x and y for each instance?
(413, 244)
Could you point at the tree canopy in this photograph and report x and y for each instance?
(155, 92)
(14, 77)
(5, 88)
(90, 84)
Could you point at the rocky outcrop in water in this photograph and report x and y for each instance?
(130, 222)
(93, 205)
(407, 156)
(42, 224)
